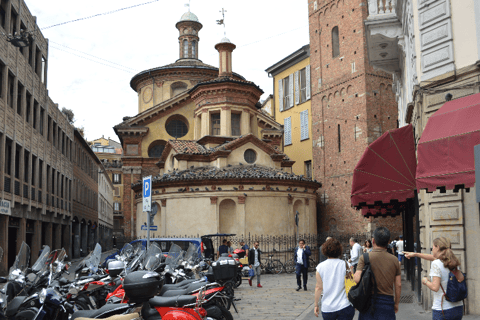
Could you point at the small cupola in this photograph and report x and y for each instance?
(225, 48)
(188, 27)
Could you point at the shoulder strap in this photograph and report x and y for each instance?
(366, 259)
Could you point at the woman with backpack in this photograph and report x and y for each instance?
(444, 262)
(331, 282)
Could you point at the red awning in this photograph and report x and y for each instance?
(445, 150)
(386, 170)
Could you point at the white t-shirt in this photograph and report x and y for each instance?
(400, 247)
(437, 269)
(332, 272)
(355, 253)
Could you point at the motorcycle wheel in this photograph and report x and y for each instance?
(226, 315)
(81, 305)
(238, 280)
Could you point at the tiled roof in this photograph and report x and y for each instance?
(189, 147)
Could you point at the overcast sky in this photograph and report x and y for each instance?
(91, 62)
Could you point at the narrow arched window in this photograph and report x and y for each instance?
(335, 43)
(194, 49)
(185, 48)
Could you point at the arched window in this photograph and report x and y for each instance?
(194, 49)
(185, 48)
(155, 149)
(335, 43)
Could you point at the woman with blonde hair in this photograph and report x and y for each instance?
(444, 262)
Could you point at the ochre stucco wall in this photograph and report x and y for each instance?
(299, 151)
(152, 95)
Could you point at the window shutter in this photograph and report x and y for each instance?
(280, 94)
(307, 76)
(290, 91)
(297, 88)
(304, 124)
(287, 126)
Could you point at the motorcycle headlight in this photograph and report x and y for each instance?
(42, 296)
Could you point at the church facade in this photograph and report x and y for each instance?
(216, 159)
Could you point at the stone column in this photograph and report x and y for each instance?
(48, 235)
(76, 239)
(58, 236)
(205, 123)
(254, 125)
(83, 239)
(22, 233)
(163, 217)
(2, 161)
(241, 213)
(198, 127)
(226, 122)
(245, 123)
(66, 238)
(4, 244)
(37, 239)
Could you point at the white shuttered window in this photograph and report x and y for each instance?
(304, 125)
(280, 94)
(287, 128)
(290, 91)
(297, 87)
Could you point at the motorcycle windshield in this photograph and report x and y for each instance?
(153, 257)
(127, 252)
(22, 259)
(174, 255)
(55, 257)
(132, 265)
(94, 260)
(42, 259)
(138, 247)
(192, 253)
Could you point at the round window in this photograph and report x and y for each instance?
(250, 156)
(156, 148)
(176, 128)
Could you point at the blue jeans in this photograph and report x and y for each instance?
(384, 309)
(450, 314)
(345, 314)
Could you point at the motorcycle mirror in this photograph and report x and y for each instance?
(29, 270)
(3, 280)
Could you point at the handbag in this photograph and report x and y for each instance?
(348, 279)
(251, 273)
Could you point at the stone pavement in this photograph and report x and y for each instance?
(279, 300)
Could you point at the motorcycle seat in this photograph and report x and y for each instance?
(12, 307)
(177, 301)
(101, 313)
(180, 286)
(130, 316)
(174, 293)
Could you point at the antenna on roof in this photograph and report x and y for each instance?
(222, 21)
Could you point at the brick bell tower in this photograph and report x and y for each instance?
(188, 26)
(352, 105)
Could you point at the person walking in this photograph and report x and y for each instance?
(254, 261)
(244, 247)
(388, 278)
(444, 262)
(399, 248)
(301, 255)
(229, 247)
(321, 255)
(330, 277)
(355, 253)
(368, 246)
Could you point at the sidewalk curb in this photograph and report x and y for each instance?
(306, 312)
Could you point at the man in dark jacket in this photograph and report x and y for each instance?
(254, 261)
(300, 255)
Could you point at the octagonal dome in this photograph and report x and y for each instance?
(189, 16)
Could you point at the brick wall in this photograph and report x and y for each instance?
(352, 105)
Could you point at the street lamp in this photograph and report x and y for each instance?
(20, 40)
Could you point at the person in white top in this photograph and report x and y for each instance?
(331, 282)
(355, 253)
(444, 262)
(399, 247)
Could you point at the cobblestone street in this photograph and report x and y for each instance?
(279, 300)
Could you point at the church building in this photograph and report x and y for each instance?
(216, 159)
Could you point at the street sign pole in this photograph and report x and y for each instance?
(147, 203)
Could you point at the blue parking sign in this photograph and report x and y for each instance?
(147, 194)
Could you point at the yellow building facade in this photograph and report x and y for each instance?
(292, 107)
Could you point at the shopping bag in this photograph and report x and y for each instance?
(251, 273)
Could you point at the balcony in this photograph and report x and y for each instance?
(385, 37)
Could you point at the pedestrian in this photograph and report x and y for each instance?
(321, 255)
(114, 240)
(223, 248)
(355, 253)
(301, 256)
(254, 260)
(399, 247)
(444, 262)
(368, 246)
(244, 247)
(229, 247)
(386, 270)
(331, 282)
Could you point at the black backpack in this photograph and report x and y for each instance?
(360, 295)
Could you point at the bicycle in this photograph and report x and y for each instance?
(272, 266)
(290, 265)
